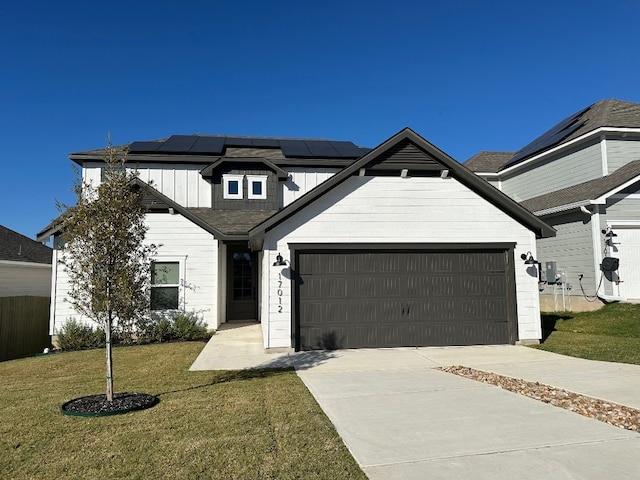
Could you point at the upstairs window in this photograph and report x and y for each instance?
(165, 285)
(232, 185)
(257, 185)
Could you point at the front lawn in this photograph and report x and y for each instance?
(260, 424)
(611, 334)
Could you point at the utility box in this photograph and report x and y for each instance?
(550, 272)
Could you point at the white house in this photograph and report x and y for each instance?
(330, 245)
(25, 266)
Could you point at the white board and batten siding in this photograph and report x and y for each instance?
(370, 210)
(301, 180)
(182, 183)
(179, 240)
(579, 165)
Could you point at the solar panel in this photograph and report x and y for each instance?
(238, 142)
(266, 142)
(210, 145)
(294, 148)
(178, 144)
(348, 149)
(319, 148)
(551, 137)
(144, 147)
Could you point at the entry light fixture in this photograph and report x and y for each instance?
(608, 233)
(528, 259)
(280, 262)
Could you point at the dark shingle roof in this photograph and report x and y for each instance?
(18, 248)
(232, 222)
(605, 113)
(585, 191)
(488, 162)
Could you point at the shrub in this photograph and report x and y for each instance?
(75, 335)
(188, 326)
(169, 326)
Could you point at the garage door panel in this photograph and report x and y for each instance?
(390, 299)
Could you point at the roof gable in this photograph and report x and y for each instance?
(209, 171)
(408, 150)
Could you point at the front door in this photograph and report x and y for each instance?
(242, 275)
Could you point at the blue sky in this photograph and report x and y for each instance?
(466, 75)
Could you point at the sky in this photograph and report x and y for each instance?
(466, 75)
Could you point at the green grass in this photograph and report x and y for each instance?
(611, 334)
(261, 424)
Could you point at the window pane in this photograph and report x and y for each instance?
(256, 188)
(233, 187)
(165, 273)
(164, 298)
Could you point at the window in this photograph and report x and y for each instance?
(165, 285)
(257, 186)
(233, 186)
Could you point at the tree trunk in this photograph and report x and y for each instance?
(107, 332)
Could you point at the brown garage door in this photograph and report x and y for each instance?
(356, 299)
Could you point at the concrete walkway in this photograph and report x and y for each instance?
(402, 419)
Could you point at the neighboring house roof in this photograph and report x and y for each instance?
(605, 113)
(488, 162)
(15, 247)
(582, 193)
(425, 156)
(202, 148)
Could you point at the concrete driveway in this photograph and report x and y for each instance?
(401, 419)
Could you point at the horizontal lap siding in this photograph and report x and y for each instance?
(176, 237)
(25, 280)
(572, 250)
(576, 166)
(620, 152)
(366, 210)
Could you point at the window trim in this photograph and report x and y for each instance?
(226, 179)
(181, 261)
(263, 181)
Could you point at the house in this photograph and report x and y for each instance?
(582, 177)
(25, 266)
(330, 245)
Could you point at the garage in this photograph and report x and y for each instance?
(348, 298)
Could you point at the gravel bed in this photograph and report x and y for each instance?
(611, 413)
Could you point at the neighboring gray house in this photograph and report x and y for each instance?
(581, 177)
(25, 266)
(330, 245)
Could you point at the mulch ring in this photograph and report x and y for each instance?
(611, 413)
(98, 406)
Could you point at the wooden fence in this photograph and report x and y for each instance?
(24, 326)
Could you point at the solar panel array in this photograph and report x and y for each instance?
(550, 138)
(203, 145)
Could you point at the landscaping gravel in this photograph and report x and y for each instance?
(611, 413)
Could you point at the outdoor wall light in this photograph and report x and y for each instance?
(528, 259)
(608, 233)
(280, 262)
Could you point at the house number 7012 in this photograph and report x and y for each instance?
(279, 292)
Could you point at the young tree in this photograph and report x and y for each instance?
(104, 254)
